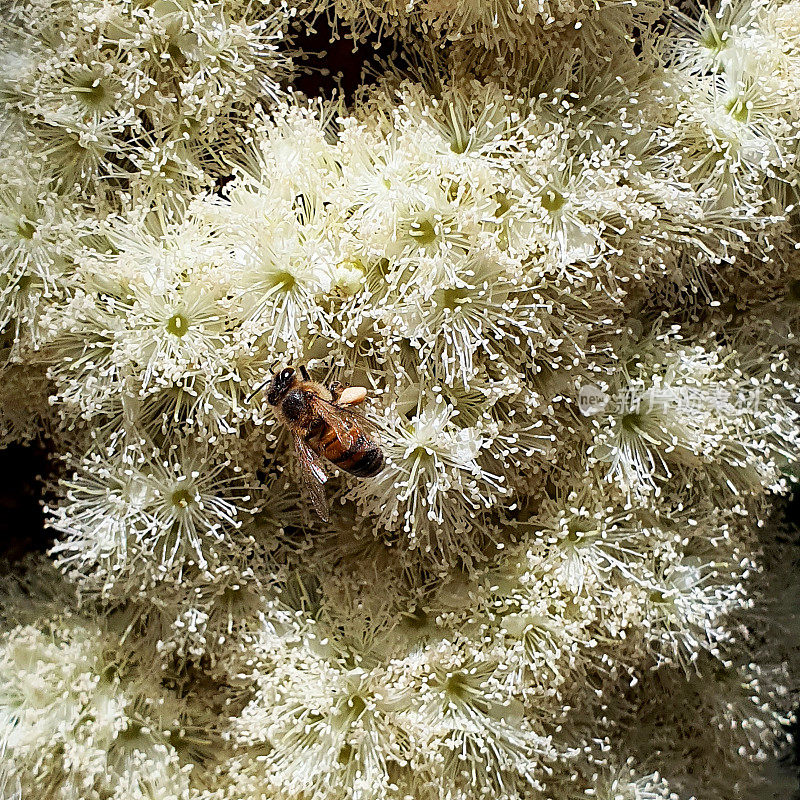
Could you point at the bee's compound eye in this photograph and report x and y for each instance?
(281, 384)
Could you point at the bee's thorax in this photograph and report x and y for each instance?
(294, 405)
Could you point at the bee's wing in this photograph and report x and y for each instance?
(313, 476)
(359, 420)
(346, 422)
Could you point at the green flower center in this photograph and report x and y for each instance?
(345, 754)
(632, 422)
(357, 705)
(232, 595)
(451, 298)
(711, 40)
(552, 200)
(455, 685)
(177, 739)
(423, 232)
(75, 150)
(420, 453)
(25, 229)
(177, 325)
(94, 95)
(458, 146)
(738, 109)
(182, 498)
(285, 280)
(133, 733)
(175, 53)
(416, 619)
(503, 203)
(577, 530)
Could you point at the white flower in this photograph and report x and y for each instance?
(723, 724)
(686, 606)
(433, 488)
(717, 37)
(35, 228)
(592, 537)
(625, 784)
(737, 124)
(486, 311)
(152, 327)
(79, 716)
(697, 412)
(129, 505)
(283, 277)
(96, 83)
(325, 729)
(466, 727)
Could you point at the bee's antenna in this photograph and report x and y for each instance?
(257, 390)
(262, 385)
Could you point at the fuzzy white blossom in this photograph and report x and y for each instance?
(558, 249)
(81, 716)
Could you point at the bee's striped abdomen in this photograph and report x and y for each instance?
(363, 458)
(368, 462)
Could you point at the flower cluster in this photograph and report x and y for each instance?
(82, 714)
(501, 25)
(134, 90)
(534, 597)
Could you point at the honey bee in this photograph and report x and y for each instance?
(324, 424)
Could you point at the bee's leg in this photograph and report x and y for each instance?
(304, 373)
(335, 389)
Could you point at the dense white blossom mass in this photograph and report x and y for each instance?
(558, 243)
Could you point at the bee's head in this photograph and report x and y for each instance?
(279, 385)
